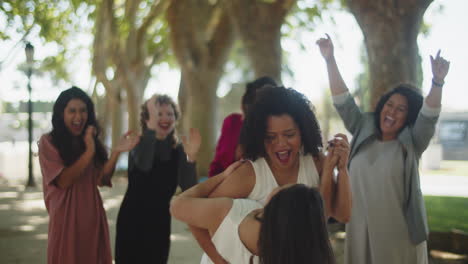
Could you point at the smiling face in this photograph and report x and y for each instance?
(75, 116)
(165, 120)
(282, 142)
(393, 116)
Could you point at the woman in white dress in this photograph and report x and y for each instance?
(388, 224)
(291, 228)
(281, 140)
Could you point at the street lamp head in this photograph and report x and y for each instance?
(29, 49)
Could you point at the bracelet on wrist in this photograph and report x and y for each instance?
(437, 83)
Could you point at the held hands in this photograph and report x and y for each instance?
(440, 67)
(326, 47)
(338, 152)
(127, 142)
(192, 144)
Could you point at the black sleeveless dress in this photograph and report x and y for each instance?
(155, 170)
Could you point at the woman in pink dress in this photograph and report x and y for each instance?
(73, 163)
(227, 149)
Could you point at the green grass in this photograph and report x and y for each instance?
(447, 213)
(450, 168)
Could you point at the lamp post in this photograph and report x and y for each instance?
(29, 49)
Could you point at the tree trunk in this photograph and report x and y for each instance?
(259, 27)
(183, 101)
(126, 52)
(390, 31)
(134, 99)
(116, 114)
(201, 113)
(201, 37)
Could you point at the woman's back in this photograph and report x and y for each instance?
(237, 235)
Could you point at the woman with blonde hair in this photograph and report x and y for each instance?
(156, 166)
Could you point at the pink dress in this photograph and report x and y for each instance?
(78, 230)
(226, 148)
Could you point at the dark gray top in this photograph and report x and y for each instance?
(149, 148)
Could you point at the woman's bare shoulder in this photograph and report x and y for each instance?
(238, 183)
(249, 231)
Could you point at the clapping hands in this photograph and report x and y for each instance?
(127, 142)
(192, 144)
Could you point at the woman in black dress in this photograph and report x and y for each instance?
(156, 166)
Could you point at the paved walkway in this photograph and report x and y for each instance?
(24, 220)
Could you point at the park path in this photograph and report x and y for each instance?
(24, 220)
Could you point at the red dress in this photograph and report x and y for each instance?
(226, 148)
(78, 230)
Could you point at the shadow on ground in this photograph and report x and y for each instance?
(24, 221)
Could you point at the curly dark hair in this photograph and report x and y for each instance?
(160, 99)
(276, 101)
(415, 102)
(71, 147)
(251, 89)
(294, 229)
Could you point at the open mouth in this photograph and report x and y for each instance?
(388, 121)
(77, 126)
(283, 156)
(165, 126)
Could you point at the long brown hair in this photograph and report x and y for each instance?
(69, 149)
(294, 229)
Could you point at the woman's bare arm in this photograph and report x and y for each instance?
(337, 84)
(192, 208)
(342, 203)
(237, 184)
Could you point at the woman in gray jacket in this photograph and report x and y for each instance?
(388, 222)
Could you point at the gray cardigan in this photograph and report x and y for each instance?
(414, 140)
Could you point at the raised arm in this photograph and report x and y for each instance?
(440, 68)
(337, 84)
(126, 143)
(344, 103)
(186, 170)
(424, 128)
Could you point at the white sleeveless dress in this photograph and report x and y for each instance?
(226, 238)
(265, 182)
